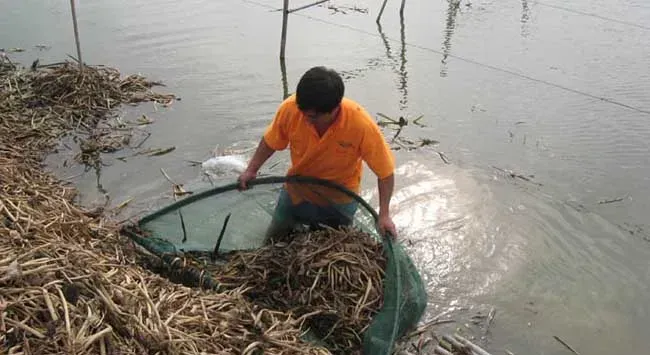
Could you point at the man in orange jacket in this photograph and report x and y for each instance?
(329, 136)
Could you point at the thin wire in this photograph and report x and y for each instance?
(467, 60)
(592, 15)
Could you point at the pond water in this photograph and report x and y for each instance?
(538, 209)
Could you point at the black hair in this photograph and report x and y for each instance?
(320, 89)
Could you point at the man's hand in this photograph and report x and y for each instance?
(386, 225)
(262, 153)
(246, 176)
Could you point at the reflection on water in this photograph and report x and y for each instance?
(445, 220)
(285, 84)
(525, 17)
(402, 56)
(450, 25)
(389, 54)
(484, 242)
(398, 65)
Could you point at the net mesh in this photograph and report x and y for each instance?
(223, 219)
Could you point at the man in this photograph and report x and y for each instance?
(329, 136)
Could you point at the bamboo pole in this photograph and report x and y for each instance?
(285, 17)
(76, 34)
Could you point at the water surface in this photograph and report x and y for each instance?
(556, 92)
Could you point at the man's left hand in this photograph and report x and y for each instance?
(386, 225)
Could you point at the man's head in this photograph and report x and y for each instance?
(319, 93)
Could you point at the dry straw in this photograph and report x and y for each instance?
(68, 284)
(333, 279)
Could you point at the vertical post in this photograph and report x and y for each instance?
(401, 9)
(285, 17)
(76, 35)
(285, 84)
(383, 6)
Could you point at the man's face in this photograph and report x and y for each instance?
(319, 118)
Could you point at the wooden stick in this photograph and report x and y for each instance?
(76, 35)
(307, 6)
(285, 17)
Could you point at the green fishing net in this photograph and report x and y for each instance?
(224, 219)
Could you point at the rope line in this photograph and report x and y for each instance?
(589, 14)
(467, 60)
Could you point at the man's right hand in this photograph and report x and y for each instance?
(244, 178)
(262, 153)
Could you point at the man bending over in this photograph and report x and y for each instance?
(329, 136)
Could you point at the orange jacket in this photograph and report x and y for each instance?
(337, 155)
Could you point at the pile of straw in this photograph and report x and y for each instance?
(334, 277)
(67, 284)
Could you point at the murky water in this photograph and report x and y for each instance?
(556, 92)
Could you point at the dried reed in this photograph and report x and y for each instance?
(68, 283)
(331, 278)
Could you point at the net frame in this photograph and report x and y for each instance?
(391, 309)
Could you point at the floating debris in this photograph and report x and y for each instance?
(565, 344)
(443, 157)
(604, 202)
(514, 175)
(409, 145)
(400, 122)
(144, 120)
(221, 165)
(158, 151)
(344, 9)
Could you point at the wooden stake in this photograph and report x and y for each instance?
(308, 6)
(76, 35)
(285, 17)
(401, 9)
(285, 84)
